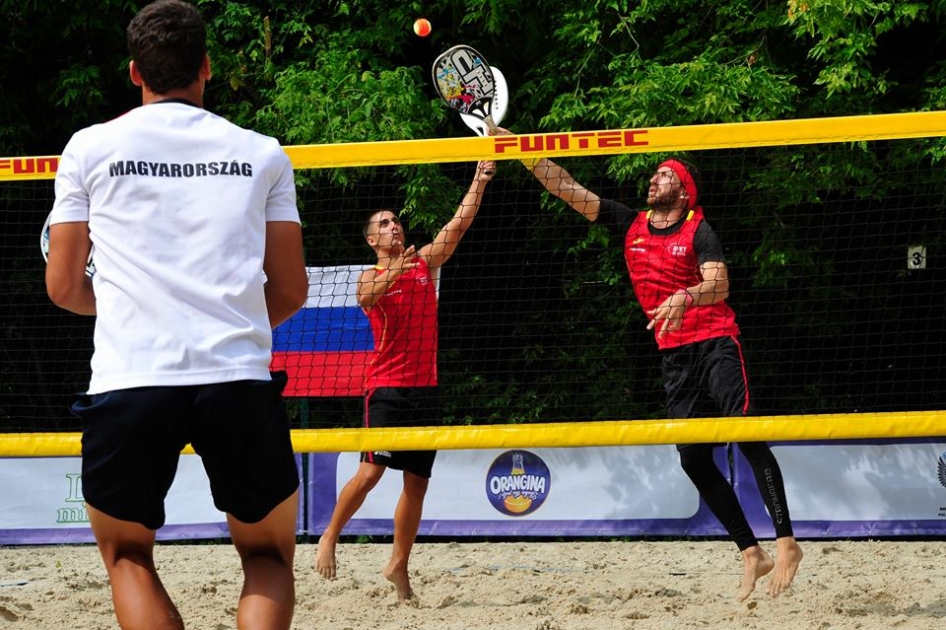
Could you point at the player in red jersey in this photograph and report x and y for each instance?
(676, 265)
(400, 297)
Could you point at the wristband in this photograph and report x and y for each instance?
(687, 299)
(531, 163)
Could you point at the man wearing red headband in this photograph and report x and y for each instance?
(679, 274)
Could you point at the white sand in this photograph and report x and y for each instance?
(510, 586)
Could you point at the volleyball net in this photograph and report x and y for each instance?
(831, 230)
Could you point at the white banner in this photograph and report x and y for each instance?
(834, 489)
(591, 484)
(864, 482)
(45, 493)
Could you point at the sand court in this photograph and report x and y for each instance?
(841, 585)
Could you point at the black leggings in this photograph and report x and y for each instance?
(706, 379)
(697, 462)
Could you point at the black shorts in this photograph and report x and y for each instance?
(403, 407)
(132, 440)
(706, 379)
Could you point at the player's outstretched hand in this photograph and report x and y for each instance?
(485, 170)
(668, 317)
(406, 261)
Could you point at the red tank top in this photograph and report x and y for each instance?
(404, 323)
(660, 265)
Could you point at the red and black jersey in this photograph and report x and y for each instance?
(662, 262)
(404, 323)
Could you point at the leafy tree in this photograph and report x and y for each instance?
(352, 71)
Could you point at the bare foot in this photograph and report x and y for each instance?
(398, 577)
(788, 556)
(325, 558)
(755, 564)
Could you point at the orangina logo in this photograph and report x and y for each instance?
(517, 483)
(941, 469)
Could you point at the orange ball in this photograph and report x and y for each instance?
(422, 27)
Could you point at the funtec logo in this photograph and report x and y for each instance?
(517, 483)
(574, 141)
(29, 166)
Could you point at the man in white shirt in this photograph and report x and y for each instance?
(187, 212)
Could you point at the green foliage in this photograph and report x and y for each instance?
(335, 102)
(668, 63)
(62, 66)
(352, 71)
(845, 38)
(77, 87)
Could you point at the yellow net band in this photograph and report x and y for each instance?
(564, 434)
(576, 143)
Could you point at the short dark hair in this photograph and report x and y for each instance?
(167, 41)
(368, 219)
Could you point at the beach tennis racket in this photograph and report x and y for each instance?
(465, 82)
(44, 248)
(500, 102)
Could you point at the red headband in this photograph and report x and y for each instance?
(686, 179)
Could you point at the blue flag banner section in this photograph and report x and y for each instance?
(325, 347)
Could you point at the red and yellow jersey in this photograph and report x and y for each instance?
(404, 323)
(662, 264)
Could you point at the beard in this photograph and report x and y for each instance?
(661, 203)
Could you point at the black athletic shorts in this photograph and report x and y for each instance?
(132, 440)
(403, 407)
(706, 379)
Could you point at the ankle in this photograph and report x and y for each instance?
(754, 552)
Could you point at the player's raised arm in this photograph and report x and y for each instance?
(560, 183)
(446, 241)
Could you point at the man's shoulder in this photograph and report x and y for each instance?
(190, 116)
(229, 129)
(116, 128)
(264, 146)
(617, 207)
(94, 133)
(236, 129)
(149, 131)
(617, 215)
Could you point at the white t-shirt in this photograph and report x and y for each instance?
(177, 200)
